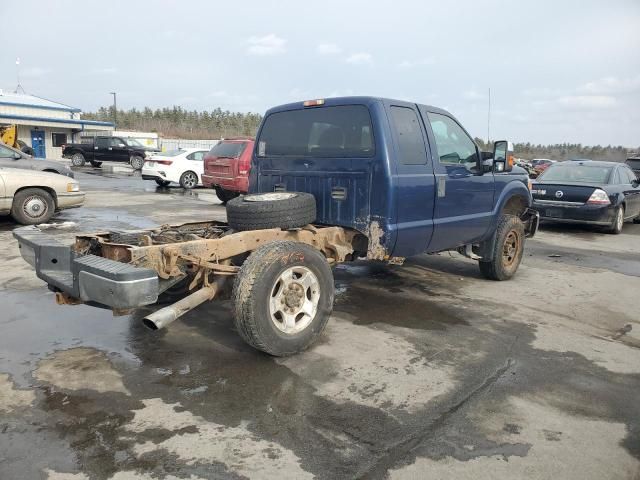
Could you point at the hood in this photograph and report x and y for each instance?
(35, 174)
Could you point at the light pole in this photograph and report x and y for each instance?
(115, 111)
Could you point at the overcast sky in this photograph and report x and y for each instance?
(559, 71)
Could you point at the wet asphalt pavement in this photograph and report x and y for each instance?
(425, 370)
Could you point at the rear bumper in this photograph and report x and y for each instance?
(92, 279)
(238, 184)
(581, 213)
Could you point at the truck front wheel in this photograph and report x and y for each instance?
(283, 297)
(507, 251)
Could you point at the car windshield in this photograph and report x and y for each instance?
(132, 142)
(170, 153)
(228, 149)
(634, 163)
(576, 174)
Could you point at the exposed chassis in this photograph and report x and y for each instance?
(126, 270)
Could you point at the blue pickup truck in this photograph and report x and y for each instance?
(332, 181)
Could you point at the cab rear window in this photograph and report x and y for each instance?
(338, 132)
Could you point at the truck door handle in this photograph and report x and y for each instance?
(339, 193)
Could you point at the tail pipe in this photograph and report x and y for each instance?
(163, 317)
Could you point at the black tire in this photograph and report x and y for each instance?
(508, 249)
(618, 221)
(136, 162)
(95, 164)
(77, 159)
(271, 210)
(225, 195)
(32, 206)
(162, 183)
(254, 290)
(189, 180)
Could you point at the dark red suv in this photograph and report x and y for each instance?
(226, 167)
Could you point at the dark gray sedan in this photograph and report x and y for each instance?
(14, 158)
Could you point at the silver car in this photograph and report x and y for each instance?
(14, 158)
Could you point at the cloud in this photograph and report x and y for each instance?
(416, 63)
(328, 49)
(360, 58)
(104, 71)
(474, 95)
(586, 102)
(611, 85)
(268, 45)
(34, 72)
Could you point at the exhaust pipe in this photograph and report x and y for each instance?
(163, 317)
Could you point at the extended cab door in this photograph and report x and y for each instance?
(101, 149)
(464, 200)
(413, 179)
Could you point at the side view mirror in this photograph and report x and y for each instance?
(635, 183)
(16, 156)
(503, 158)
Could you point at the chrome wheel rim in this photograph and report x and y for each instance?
(269, 197)
(35, 207)
(189, 180)
(620, 219)
(293, 303)
(76, 160)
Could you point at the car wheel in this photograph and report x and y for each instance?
(271, 210)
(162, 183)
(188, 180)
(95, 164)
(283, 297)
(32, 206)
(136, 162)
(618, 221)
(225, 195)
(77, 160)
(508, 250)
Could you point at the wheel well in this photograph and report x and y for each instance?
(50, 171)
(516, 205)
(49, 190)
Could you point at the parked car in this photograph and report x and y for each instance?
(331, 181)
(102, 149)
(540, 165)
(588, 192)
(183, 166)
(33, 197)
(634, 164)
(227, 166)
(13, 158)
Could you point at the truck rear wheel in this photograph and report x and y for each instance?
(508, 249)
(283, 297)
(77, 160)
(271, 210)
(136, 162)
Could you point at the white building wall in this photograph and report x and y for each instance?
(175, 143)
(51, 152)
(37, 112)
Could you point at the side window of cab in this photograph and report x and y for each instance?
(454, 146)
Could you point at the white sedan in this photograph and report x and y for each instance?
(184, 166)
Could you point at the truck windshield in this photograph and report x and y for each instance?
(576, 174)
(342, 131)
(132, 142)
(228, 149)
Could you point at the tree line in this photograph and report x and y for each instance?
(176, 122)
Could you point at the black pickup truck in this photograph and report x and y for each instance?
(100, 149)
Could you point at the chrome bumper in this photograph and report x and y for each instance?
(89, 278)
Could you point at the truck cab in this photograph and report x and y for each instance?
(406, 175)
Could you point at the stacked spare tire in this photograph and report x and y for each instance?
(271, 210)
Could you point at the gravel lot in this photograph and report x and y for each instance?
(425, 370)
